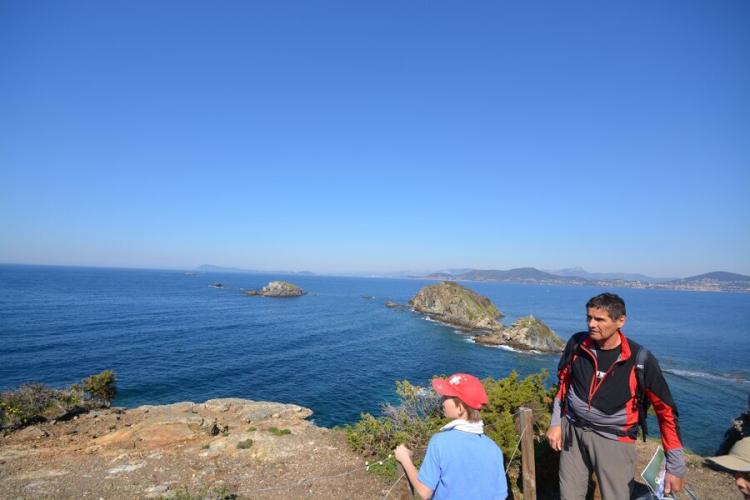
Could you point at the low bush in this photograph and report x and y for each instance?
(245, 444)
(419, 416)
(217, 493)
(101, 387)
(279, 432)
(32, 403)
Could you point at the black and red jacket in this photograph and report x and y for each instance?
(611, 404)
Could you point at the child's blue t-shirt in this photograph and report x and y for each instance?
(463, 465)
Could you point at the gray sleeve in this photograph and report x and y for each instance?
(676, 462)
(556, 419)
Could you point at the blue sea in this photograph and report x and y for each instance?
(171, 337)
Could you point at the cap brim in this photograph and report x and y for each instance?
(442, 387)
(731, 462)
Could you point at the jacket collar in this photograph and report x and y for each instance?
(625, 352)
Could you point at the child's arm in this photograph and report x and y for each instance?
(403, 455)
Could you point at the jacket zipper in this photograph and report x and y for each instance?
(594, 385)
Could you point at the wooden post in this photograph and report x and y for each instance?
(528, 468)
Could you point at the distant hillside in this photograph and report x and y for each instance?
(578, 272)
(714, 281)
(718, 276)
(718, 281)
(518, 275)
(521, 273)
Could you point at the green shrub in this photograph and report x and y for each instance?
(218, 493)
(279, 432)
(35, 402)
(412, 422)
(30, 403)
(101, 387)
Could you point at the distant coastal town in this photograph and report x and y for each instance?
(717, 281)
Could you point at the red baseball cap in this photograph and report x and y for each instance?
(466, 387)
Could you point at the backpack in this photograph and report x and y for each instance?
(641, 355)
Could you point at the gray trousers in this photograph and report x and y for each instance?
(585, 451)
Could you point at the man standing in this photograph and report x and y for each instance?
(596, 411)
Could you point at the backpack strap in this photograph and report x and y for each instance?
(569, 354)
(640, 375)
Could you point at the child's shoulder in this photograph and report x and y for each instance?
(456, 436)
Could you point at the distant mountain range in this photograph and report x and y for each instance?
(717, 281)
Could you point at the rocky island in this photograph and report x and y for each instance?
(278, 289)
(451, 303)
(524, 333)
(458, 306)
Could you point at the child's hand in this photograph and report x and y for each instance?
(402, 453)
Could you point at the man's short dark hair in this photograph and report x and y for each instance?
(613, 304)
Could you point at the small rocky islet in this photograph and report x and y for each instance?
(277, 289)
(456, 305)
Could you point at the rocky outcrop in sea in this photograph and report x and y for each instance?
(451, 303)
(456, 305)
(525, 333)
(278, 289)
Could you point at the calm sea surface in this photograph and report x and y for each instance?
(170, 337)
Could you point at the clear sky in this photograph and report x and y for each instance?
(338, 136)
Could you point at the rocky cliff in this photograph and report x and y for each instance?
(525, 333)
(451, 303)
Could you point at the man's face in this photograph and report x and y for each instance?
(601, 326)
(742, 480)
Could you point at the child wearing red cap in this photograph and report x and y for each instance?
(461, 461)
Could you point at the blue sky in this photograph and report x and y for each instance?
(346, 136)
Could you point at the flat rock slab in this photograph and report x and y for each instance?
(185, 449)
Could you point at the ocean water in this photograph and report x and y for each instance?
(171, 337)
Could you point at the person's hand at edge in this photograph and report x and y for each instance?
(672, 483)
(554, 437)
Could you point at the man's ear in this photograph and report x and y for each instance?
(621, 321)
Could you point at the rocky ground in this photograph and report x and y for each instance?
(704, 482)
(185, 450)
(218, 448)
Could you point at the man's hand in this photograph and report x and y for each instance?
(554, 437)
(672, 484)
(402, 453)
